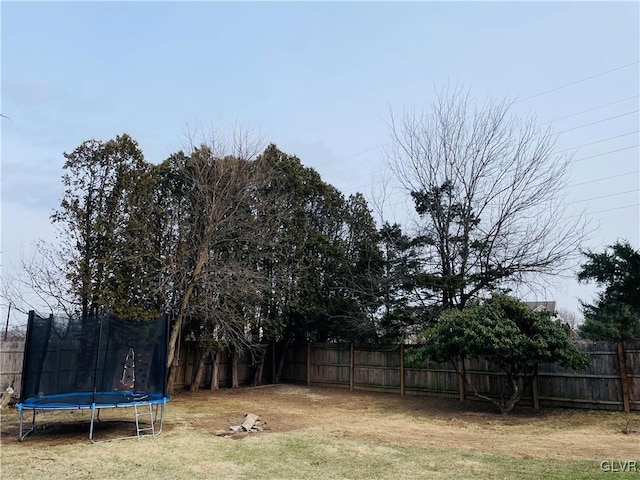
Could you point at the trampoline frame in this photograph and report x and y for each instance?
(48, 403)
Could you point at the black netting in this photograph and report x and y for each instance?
(102, 354)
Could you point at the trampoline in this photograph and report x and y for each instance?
(93, 364)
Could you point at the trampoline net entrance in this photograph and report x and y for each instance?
(94, 363)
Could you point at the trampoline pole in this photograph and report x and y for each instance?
(162, 416)
(21, 412)
(93, 411)
(95, 374)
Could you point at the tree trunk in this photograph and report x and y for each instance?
(215, 370)
(184, 303)
(171, 378)
(281, 363)
(197, 377)
(622, 362)
(234, 369)
(516, 392)
(257, 378)
(515, 383)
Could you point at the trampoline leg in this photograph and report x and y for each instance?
(21, 416)
(22, 435)
(161, 417)
(155, 418)
(93, 411)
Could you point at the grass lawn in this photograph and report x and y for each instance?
(316, 433)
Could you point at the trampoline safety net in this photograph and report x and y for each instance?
(98, 355)
(93, 362)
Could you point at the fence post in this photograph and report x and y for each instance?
(534, 389)
(622, 361)
(402, 369)
(351, 365)
(308, 364)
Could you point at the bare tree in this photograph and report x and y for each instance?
(569, 317)
(488, 190)
(217, 228)
(41, 282)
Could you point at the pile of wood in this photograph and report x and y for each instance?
(251, 423)
(6, 397)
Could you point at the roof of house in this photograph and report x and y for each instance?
(548, 305)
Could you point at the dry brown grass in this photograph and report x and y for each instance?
(327, 433)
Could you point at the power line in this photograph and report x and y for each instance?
(376, 147)
(359, 187)
(577, 81)
(591, 109)
(607, 210)
(543, 93)
(604, 178)
(635, 190)
(557, 133)
(605, 153)
(596, 142)
(363, 151)
(599, 121)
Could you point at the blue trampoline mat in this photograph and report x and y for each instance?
(74, 400)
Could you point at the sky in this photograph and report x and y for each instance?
(321, 81)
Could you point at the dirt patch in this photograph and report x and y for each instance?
(375, 417)
(421, 421)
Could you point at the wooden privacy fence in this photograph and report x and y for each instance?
(599, 386)
(187, 364)
(11, 355)
(388, 369)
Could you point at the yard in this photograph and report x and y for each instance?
(330, 433)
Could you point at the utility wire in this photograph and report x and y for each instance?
(590, 109)
(555, 133)
(604, 211)
(596, 142)
(595, 123)
(577, 81)
(379, 182)
(605, 153)
(376, 147)
(602, 179)
(635, 190)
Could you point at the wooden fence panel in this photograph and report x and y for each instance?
(189, 358)
(426, 377)
(376, 369)
(11, 356)
(596, 387)
(330, 364)
(295, 365)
